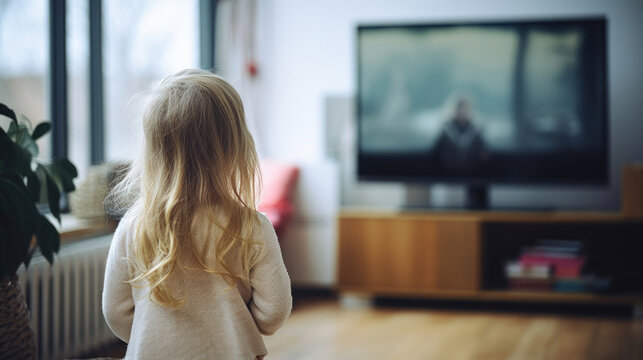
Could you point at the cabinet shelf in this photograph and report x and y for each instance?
(460, 255)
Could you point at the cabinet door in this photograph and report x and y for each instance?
(409, 253)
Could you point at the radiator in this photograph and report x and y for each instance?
(65, 299)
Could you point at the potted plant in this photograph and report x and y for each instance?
(25, 183)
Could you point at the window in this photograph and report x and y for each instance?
(139, 43)
(24, 62)
(144, 42)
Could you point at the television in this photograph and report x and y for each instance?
(483, 102)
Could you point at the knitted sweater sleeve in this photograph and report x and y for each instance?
(118, 304)
(271, 296)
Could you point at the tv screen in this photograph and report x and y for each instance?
(483, 102)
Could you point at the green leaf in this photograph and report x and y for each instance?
(16, 179)
(48, 238)
(41, 130)
(27, 259)
(21, 218)
(9, 238)
(16, 195)
(24, 208)
(41, 173)
(54, 176)
(64, 171)
(33, 184)
(66, 182)
(24, 161)
(9, 263)
(64, 165)
(24, 120)
(13, 129)
(24, 140)
(53, 197)
(7, 152)
(4, 110)
(5, 258)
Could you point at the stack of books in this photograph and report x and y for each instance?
(550, 265)
(529, 277)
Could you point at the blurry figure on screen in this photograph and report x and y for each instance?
(460, 148)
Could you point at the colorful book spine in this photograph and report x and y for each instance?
(563, 266)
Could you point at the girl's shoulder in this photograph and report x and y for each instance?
(265, 226)
(263, 219)
(266, 235)
(125, 229)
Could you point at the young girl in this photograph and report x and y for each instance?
(194, 271)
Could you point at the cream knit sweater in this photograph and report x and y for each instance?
(215, 322)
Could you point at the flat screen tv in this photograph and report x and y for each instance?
(479, 103)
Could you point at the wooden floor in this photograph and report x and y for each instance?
(322, 329)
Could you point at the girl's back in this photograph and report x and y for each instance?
(194, 271)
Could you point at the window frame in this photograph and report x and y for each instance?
(58, 94)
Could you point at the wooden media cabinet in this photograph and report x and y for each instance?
(461, 255)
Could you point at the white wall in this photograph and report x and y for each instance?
(306, 53)
(309, 241)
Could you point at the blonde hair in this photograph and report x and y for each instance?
(198, 154)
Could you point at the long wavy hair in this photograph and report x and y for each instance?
(199, 160)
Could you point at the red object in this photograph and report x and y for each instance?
(252, 68)
(564, 266)
(279, 181)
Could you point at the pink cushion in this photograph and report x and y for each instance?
(279, 180)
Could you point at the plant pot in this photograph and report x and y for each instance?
(16, 335)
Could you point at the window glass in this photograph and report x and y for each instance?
(144, 41)
(24, 64)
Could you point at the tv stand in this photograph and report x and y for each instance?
(418, 197)
(461, 254)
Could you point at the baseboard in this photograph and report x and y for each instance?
(312, 291)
